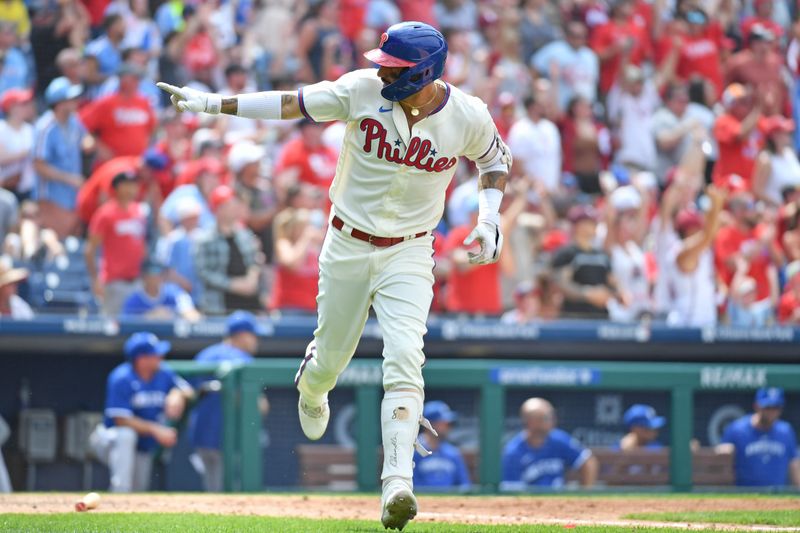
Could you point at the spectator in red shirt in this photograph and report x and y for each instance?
(298, 235)
(700, 45)
(789, 306)
(762, 17)
(305, 158)
(621, 36)
(470, 289)
(761, 67)
(123, 122)
(745, 245)
(119, 226)
(737, 135)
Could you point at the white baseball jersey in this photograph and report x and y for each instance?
(390, 181)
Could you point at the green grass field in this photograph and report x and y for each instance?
(761, 518)
(198, 523)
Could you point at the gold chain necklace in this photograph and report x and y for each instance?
(415, 110)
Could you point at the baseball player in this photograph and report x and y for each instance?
(445, 468)
(238, 347)
(643, 424)
(405, 131)
(141, 394)
(764, 447)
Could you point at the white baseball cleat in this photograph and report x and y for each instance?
(399, 505)
(313, 419)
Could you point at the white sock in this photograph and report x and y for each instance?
(400, 415)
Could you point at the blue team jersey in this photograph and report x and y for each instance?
(762, 457)
(524, 466)
(206, 423)
(127, 395)
(171, 296)
(443, 468)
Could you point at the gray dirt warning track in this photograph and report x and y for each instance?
(470, 510)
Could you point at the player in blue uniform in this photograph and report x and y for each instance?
(764, 447)
(540, 454)
(444, 468)
(642, 424)
(238, 347)
(141, 394)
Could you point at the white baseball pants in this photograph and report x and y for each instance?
(398, 282)
(116, 447)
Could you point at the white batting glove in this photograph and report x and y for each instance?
(188, 99)
(491, 240)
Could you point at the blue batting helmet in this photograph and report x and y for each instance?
(415, 45)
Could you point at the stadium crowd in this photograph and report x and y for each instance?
(656, 173)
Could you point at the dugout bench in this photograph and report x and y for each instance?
(491, 378)
(333, 467)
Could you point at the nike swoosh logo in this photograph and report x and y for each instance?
(382, 110)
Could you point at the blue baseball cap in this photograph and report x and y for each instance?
(240, 321)
(145, 343)
(437, 411)
(769, 397)
(641, 415)
(61, 89)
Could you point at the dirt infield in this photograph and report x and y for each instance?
(472, 510)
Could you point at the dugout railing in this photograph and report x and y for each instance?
(242, 385)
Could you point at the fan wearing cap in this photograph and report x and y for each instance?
(764, 447)
(540, 454)
(444, 469)
(11, 304)
(158, 299)
(777, 167)
(122, 122)
(406, 130)
(208, 176)
(642, 424)
(120, 228)
(736, 132)
(626, 229)
(60, 139)
(175, 249)
(762, 17)
(690, 265)
(141, 395)
(227, 258)
(16, 141)
(245, 160)
(239, 347)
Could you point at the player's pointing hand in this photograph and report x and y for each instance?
(488, 235)
(188, 99)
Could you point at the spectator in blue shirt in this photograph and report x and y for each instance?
(540, 454)
(14, 70)
(157, 299)
(59, 141)
(205, 430)
(106, 49)
(764, 447)
(642, 424)
(444, 468)
(141, 395)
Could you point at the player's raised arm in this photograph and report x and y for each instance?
(268, 105)
(494, 164)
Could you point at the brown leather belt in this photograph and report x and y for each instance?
(381, 242)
